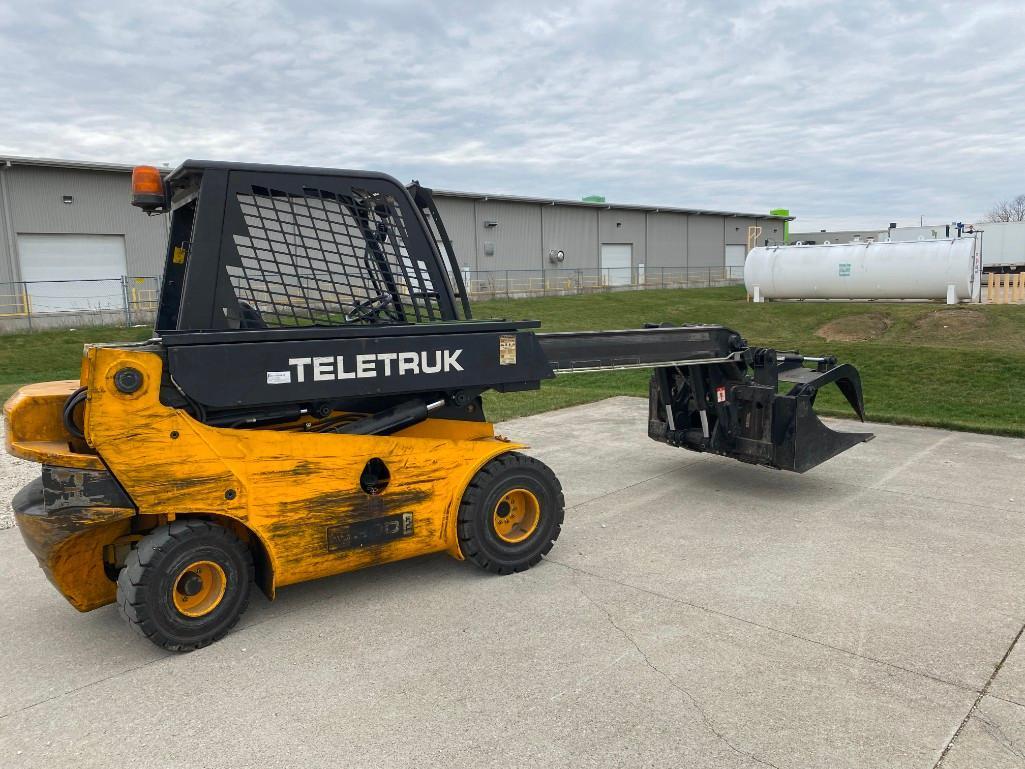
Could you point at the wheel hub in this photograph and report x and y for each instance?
(199, 588)
(516, 516)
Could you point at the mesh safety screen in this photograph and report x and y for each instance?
(327, 259)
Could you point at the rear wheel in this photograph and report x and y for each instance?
(186, 584)
(511, 514)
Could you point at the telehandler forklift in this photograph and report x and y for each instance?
(310, 404)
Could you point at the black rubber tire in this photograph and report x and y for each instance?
(478, 540)
(146, 583)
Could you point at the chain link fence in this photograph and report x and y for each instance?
(132, 301)
(37, 305)
(512, 284)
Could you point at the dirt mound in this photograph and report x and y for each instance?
(952, 322)
(855, 328)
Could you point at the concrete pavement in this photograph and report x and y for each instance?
(696, 612)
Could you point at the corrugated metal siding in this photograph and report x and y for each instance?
(574, 231)
(630, 229)
(457, 214)
(7, 271)
(705, 241)
(772, 230)
(101, 207)
(666, 240)
(736, 230)
(517, 236)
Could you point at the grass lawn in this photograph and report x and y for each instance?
(925, 364)
(920, 363)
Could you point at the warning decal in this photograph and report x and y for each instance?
(507, 351)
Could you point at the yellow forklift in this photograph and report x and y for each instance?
(310, 404)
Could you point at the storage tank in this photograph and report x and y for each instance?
(919, 269)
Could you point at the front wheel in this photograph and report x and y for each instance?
(511, 514)
(186, 584)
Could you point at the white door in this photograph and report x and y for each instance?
(73, 272)
(617, 263)
(735, 258)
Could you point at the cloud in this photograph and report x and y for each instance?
(853, 114)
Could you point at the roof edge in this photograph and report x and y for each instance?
(85, 165)
(480, 196)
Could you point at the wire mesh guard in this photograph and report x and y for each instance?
(326, 259)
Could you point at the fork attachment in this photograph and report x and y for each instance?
(735, 408)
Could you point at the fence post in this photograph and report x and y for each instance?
(127, 301)
(507, 284)
(28, 304)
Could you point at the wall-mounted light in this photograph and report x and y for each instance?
(619, 224)
(67, 199)
(490, 223)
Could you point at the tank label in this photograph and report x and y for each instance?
(845, 269)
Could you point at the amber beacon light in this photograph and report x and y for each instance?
(148, 188)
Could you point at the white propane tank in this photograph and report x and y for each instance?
(918, 269)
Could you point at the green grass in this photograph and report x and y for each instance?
(967, 376)
(964, 373)
(48, 355)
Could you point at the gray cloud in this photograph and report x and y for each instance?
(847, 113)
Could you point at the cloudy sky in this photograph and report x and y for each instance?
(848, 113)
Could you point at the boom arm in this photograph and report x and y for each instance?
(304, 292)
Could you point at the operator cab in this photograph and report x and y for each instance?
(262, 247)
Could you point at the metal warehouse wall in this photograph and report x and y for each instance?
(667, 240)
(624, 226)
(516, 237)
(460, 223)
(574, 231)
(706, 245)
(101, 207)
(525, 232)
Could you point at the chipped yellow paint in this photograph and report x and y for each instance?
(70, 552)
(285, 487)
(35, 431)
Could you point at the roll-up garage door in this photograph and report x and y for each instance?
(617, 264)
(73, 272)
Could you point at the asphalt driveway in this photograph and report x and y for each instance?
(696, 612)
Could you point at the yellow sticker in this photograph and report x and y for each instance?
(178, 256)
(507, 351)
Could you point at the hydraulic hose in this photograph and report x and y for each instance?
(68, 413)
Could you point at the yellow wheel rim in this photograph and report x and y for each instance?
(516, 516)
(199, 588)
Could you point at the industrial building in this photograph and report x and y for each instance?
(71, 221)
